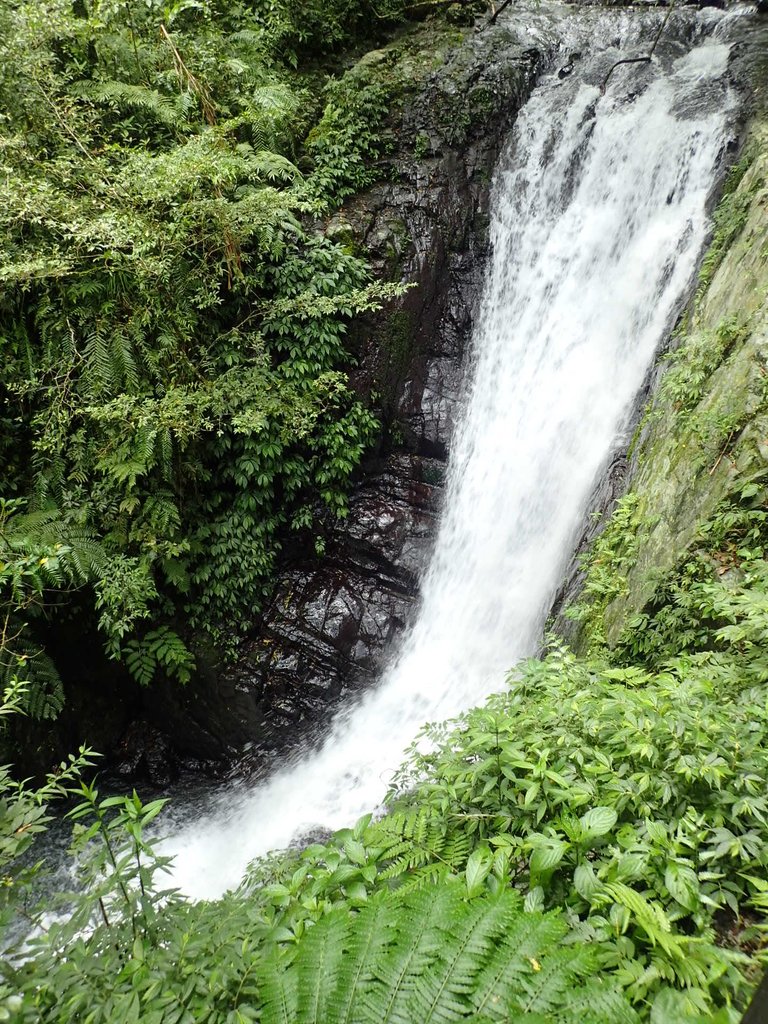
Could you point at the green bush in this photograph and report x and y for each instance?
(174, 399)
(589, 845)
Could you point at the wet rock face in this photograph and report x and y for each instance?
(330, 623)
(428, 226)
(333, 622)
(326, 632)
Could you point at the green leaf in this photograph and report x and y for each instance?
(598, 822)
(477, 870)
(683, 885)
(534, 900)
(355, 851)
(547, 856)
(585, 881)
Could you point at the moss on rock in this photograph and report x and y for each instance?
(702, 449)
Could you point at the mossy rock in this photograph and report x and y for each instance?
(704, 434)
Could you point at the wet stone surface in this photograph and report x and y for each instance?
(334, 621)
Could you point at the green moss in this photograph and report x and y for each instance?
(400, 336)
(730, 216)
(699, 490)
(607, 565)
(692, 364)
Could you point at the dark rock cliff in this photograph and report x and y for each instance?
(333, 620)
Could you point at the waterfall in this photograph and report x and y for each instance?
(599, 218)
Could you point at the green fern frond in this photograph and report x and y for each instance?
(122, 96)
(279, 994)
(273, 167)
(43, 695)
(502, 977)
(424, 923)
(419, 843)
(123, 362)
(441, 994)
(372, 933)
(434, 958)
(317, 966)
(557, 976)
(97, 372)
(597, 1002)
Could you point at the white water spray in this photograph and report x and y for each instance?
(599, 218)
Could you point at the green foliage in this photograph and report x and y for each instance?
(568, 851)
(24, 808)
(174, 401)
(607, 563)
(715, 598)
(347, 142)
(692, 365)
(127, 951)
(636, 801)
(438, 957)
(158, 649)
(730, 217)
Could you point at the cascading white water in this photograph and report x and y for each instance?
(599, 219)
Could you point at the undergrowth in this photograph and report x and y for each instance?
(577, 849)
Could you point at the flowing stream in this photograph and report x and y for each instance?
(599, 219)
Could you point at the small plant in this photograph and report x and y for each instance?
(421, 146)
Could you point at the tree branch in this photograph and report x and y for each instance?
(637, 60)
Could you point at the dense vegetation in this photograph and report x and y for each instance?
(592, 844)
(174, 401)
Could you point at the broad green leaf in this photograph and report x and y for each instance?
(683, 885)
(355, 851)
(547, 856)
(478, 867)
(598, 822)
(585, 881)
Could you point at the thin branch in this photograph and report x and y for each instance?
(627, 60)
(61, 120)
(103, 910)
(639, 60)
(187, 78)
(722, 453)
(496, 13)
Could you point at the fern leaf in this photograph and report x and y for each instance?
(317, 966)
(123, 362)
(435, 958)
(420, 937)
(373, 932)
(442, 994)
(43, 696)
(598, 1003)
(278, 992)
(123, 95)
(555, 977)
(513, 960)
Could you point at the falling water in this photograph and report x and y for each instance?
(599, 220)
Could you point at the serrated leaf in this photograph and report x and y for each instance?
(478, 867)
(598, 822)
(683, 885)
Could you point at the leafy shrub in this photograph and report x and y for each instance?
(579, 847)
(174, 400)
